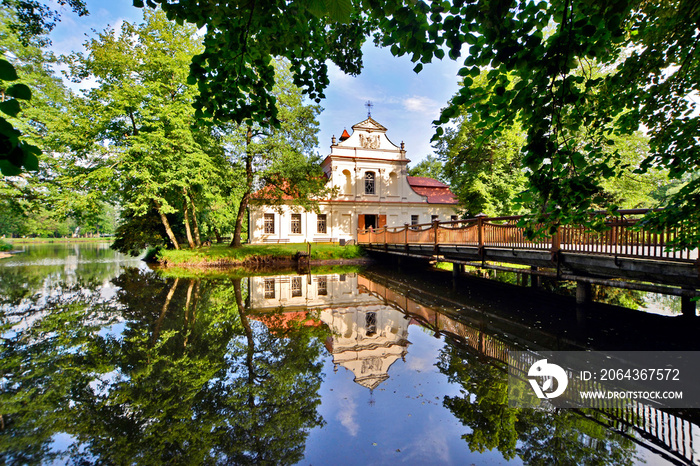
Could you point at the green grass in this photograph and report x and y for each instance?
(224, 253)
(5, 246)
(449, 266)
(444, 265)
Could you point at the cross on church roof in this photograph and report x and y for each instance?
(369, 109)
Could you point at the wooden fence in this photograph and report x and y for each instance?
(622, 236)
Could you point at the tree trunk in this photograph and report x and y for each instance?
(219, 239)
(188, 326)
(166, 304)
(166, 224)
(195, 223)
(190, 241)
(250, 353)
(236, 242)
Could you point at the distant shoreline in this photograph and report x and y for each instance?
(104, 239)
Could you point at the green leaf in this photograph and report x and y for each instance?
(10, 107)
(20, 91)
(317, 8)
(418, 68)
(7, 130)
(138, 3)
(31, 161)
(339, 10)
(9, 169)
(7, 71)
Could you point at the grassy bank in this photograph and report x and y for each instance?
(5, 246)
(222, 254)
(242, 272)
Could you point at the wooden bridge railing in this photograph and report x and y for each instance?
(623, 237)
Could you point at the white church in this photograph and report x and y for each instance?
(374, 190)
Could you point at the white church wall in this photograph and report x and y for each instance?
(367, 150)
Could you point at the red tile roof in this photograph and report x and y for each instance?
(344, 136)
(436, 191)
(425, 181)
(283, 321)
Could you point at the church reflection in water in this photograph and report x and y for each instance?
(368, 333)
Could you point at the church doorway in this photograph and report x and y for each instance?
(371, 221)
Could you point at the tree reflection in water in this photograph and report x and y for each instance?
(190, 379)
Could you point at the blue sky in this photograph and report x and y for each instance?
(404, 102)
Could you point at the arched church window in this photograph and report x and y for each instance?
(369, 183)
(371, 324)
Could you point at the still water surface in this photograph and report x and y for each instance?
(107, 361)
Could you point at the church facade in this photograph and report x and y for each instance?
(373, 189)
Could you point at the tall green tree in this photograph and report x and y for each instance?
(430, 167)
(43, 201)
(486, 176)
(489, 175)
(538, 60)
(137, 128)
(279, 162)
(29, 21)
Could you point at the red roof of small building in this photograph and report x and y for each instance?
(426, 182)
(344, 136)
(436, 191)
(284, 319)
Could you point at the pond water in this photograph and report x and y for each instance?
(107, 361)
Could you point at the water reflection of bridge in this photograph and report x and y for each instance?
(664, 433)
(369, 318)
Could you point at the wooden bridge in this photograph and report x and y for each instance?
(624, 254)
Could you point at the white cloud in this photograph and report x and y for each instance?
(346, 416)
(421, 104)
(420, 364)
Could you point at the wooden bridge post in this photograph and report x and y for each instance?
(583, 292)
(435, 232)
(556, 243)
(534, 279)
(480, 229)
(688, 306)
